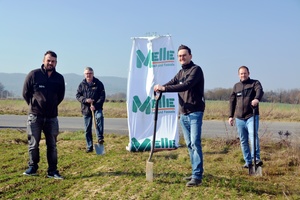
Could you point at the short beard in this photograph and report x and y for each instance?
(50, 70)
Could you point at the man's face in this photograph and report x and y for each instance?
(49, 63)
(88, 75)
(184, 57)
(243, 74)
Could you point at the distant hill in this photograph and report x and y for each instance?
(13, 82)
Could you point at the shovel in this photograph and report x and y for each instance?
(99, 148)
(149, 164)
(255, 170)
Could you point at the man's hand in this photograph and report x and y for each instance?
(89, 100)
(230, 121)
(92, 107)
(158, 88)
(254, 102)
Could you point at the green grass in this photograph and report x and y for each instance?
(120, 174)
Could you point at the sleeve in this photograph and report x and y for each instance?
(79, 94)
(192, 79)
(232, 103)
(258, 90)
(27, 88)
(61, 93)
(99, 103)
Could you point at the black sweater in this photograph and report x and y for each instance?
(240, 99)
(95, 91)
(189, 83)
(43, 94)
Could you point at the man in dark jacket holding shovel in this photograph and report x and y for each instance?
(91, 95)
(245, 97)
(189, 84)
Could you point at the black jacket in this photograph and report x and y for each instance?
(189, 83)
(43, 94)
(240, 99)
(95, 91)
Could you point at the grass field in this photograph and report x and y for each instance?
(120, 174)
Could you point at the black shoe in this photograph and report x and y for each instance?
(259, 163)
(188, 178)
(54, 175)
(246, 165)
(31, 171)
(89, 150)
(100, 141)
(194, 182)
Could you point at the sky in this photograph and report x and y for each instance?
(223, 35)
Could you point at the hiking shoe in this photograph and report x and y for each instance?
(100, 141)
(89, 150)
(31, 171)
(259, 163)
(54, 175)
(194, 182)
(188, 178)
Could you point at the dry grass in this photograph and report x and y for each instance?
(215, 110)
(120, 174)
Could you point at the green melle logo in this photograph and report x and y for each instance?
(148, 104)
(163, 143)
(162, 55)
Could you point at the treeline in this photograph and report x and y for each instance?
(221, 94)
(4, 94)
(279, 96)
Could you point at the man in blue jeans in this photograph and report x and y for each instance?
(43, 91)
(245, 97)
(189, 83)
(91, 95)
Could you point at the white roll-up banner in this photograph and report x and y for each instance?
(152, 62)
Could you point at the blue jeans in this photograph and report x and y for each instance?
(35, 126)
(245, 131)
(191, 125)
(88, 123)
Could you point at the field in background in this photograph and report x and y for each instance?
(215, 110)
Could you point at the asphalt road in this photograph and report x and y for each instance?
(210, 129)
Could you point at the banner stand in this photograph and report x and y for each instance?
(152, 61)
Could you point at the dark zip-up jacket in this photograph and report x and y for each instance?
(95, 91)
(189, 83)
(43, 94)
(240, 99)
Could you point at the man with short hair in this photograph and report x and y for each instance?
(189, 83)
(43, 91)
(245, 97)
(91, 95)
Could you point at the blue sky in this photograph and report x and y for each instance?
(223, 35)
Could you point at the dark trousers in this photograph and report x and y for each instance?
(35, 126)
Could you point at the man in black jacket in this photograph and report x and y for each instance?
(245, 97)
(189, 83)
(43, 90)
(91, 95)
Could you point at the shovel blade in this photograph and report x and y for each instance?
(255, 172)
(149, 171)
(99, 148)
